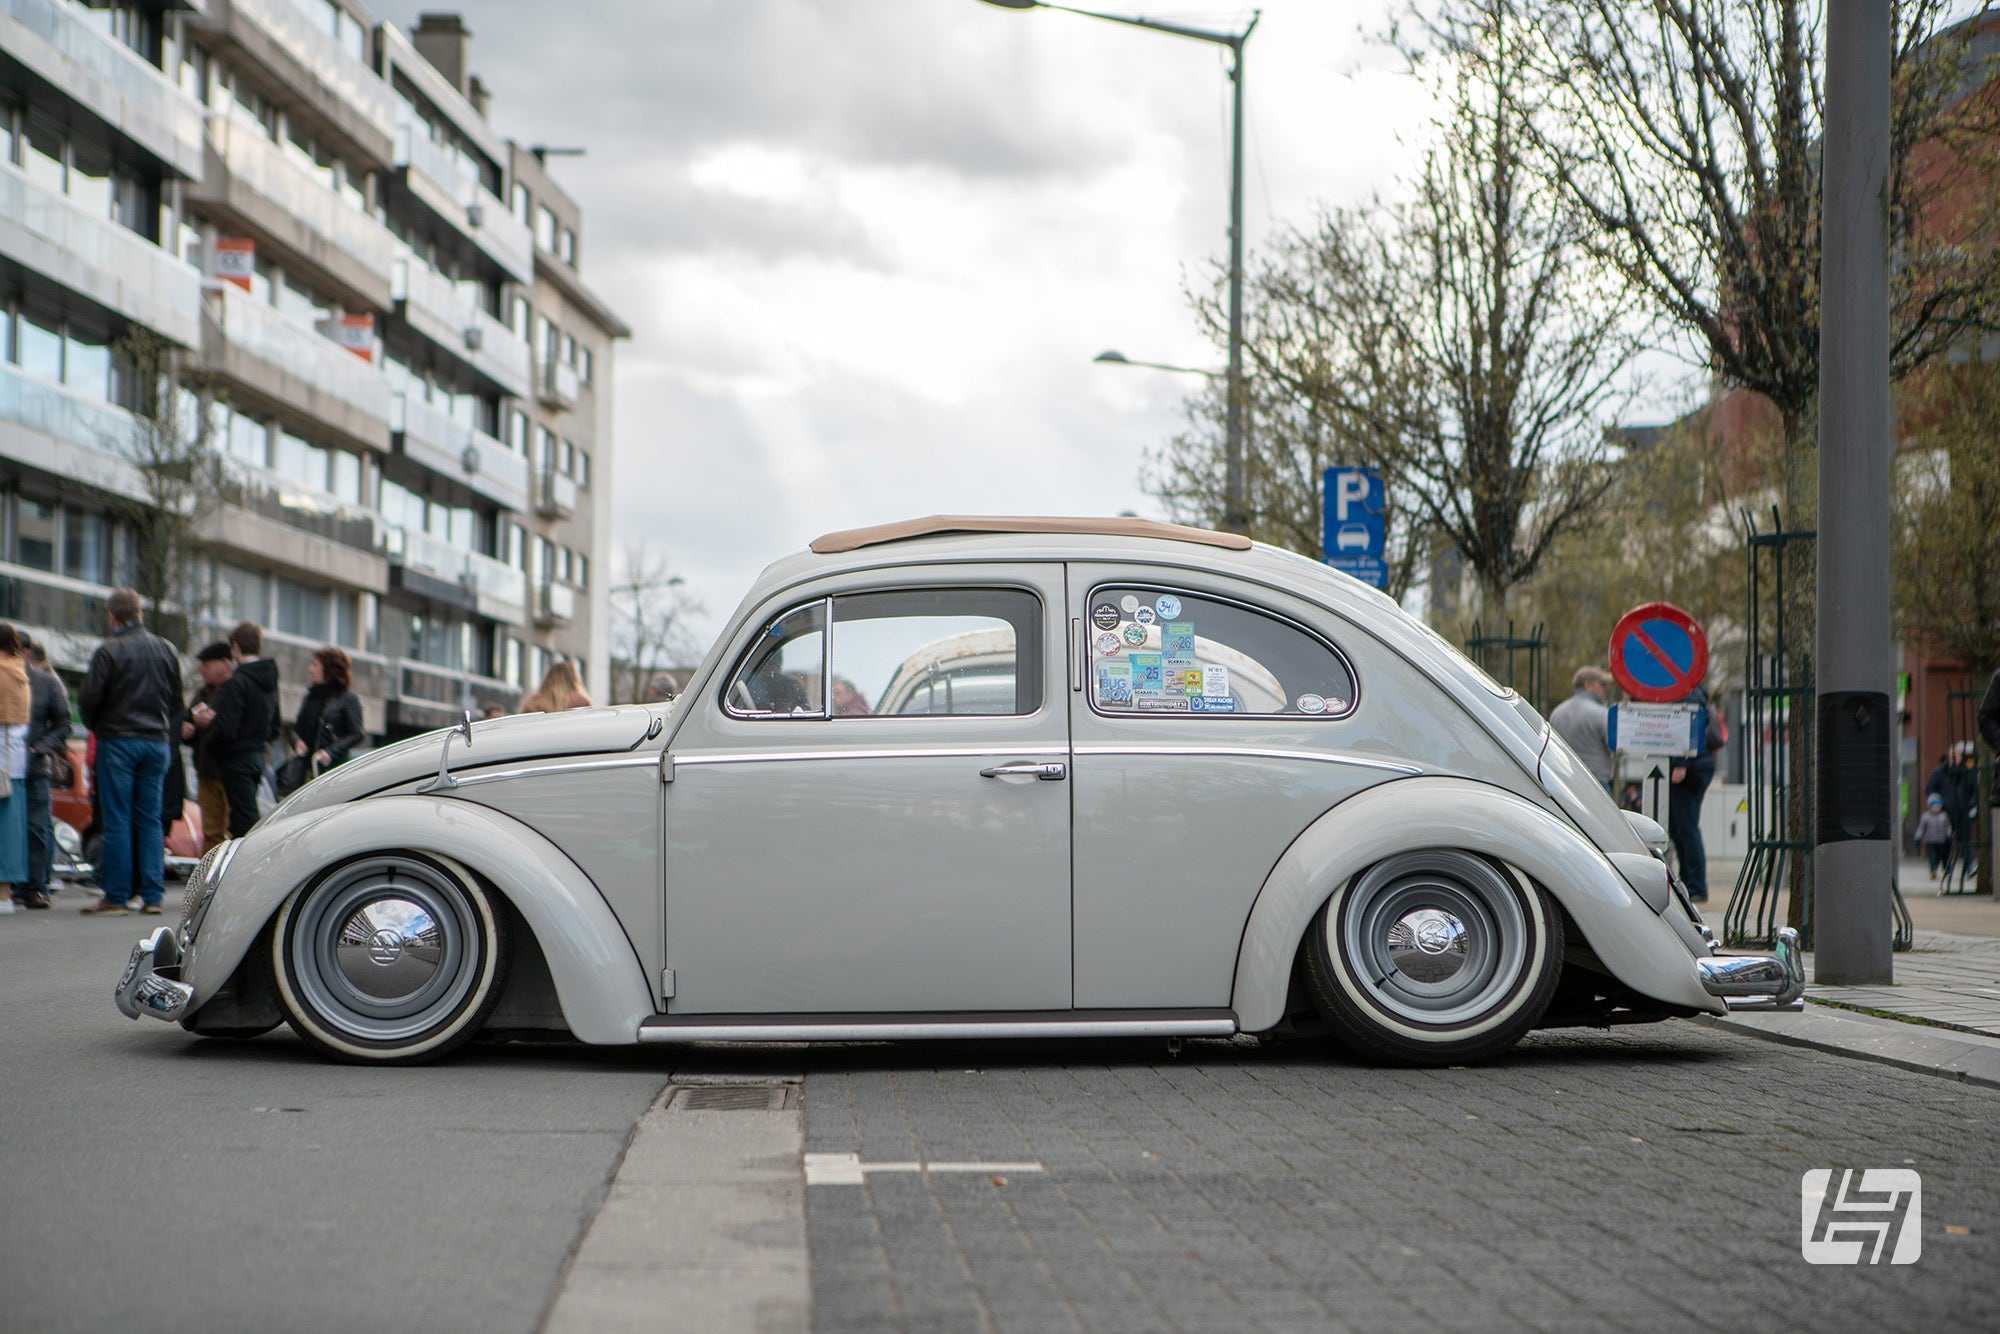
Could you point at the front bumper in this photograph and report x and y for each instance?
(151, 984)
(1775, 981)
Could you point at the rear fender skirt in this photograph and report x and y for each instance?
(1636, 946)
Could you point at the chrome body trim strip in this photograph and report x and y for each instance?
(1775, 981)
(912, 753)
(1253, 752)
(895, 1030)
(568, 767)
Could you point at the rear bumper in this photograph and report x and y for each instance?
(1774, 981)
(151, 983)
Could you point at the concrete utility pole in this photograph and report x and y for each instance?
(1854, 834)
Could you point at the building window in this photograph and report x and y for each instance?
(583, 360)
(302, 610)
(580, 570)
(517, 431)
(568, 459)
(545, 229)
(39, 344)
(568, 251)
(583, 467)
(569, 349)
(545, 457)
(35, 534)
(517, 317)
(521, 204)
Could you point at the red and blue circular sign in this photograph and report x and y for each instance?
(1659, 653)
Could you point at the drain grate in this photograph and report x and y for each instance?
(730, 1098)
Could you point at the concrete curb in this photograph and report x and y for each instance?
(1966, 1057)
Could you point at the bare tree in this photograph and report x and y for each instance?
(650, 611)
(1453, 340)
(179, 481)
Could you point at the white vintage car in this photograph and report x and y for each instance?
(969, 777)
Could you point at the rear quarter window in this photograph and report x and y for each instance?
(1158, 650)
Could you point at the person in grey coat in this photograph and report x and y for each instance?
(1584, 721)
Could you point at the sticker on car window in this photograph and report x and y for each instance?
(1144, 616)
(1311, 704)
(1114, 682)
(1130, 602)
(1108, 645)
(1164, 704)
(1177, 639)
(1149, 674)
(1105, 616)
(1211, 704)
(1169, 606)
(1135, 633)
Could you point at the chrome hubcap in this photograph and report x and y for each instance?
(1436, 938)
(389, 949)
(386, 948)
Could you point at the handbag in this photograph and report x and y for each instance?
(292, 775)
(62, 770)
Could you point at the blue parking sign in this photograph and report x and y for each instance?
(1353, 537)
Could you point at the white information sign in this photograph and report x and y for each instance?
(1656, 729)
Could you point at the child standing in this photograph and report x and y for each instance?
(1934, 832)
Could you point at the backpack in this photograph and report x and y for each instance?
(1717, 735)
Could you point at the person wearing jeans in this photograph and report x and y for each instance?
(48, 736)
(130, 696)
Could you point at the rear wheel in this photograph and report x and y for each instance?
(393, 958)
(1434, 957)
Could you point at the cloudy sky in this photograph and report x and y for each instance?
(868, 248)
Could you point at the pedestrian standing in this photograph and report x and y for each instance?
(15, 701)
(216, 667)
(1959, 790)
(1989, 727)
(245, 724)
(1691, 778)
(1934, 834)
(130, 697)
(1584, 721)
(48, 765)
(561, 689)
(329, 721)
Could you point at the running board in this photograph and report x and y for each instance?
(915, 1027)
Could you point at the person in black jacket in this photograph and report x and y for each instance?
(48, 736)
(329, 722)
(217, 665)
(1989, 727)
(130, 697)
(243, 724)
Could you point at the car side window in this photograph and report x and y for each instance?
(781, 673)
(918, 652)
(1162, 650)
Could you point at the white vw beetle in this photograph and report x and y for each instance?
(968, 777)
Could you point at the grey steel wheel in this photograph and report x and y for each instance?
(1435, 956)
(391, 957)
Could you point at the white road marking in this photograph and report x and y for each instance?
(847, 1169)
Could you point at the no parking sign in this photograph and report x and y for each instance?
(1659, 653)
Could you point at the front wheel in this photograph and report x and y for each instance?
(1434, 958)
(393, 958)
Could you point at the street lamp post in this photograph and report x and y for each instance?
(1236, 512)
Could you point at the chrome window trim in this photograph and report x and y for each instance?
(862, 1030)
(825, 668)
(887, 753)
(1090, 690)
(1248, 752)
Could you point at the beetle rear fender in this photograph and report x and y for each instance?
(598, 977)
(1633, 942)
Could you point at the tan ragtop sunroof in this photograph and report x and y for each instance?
(937, 524)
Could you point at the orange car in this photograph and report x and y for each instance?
(76, 806)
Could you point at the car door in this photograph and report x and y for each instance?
(1210, 727)
(876, 819)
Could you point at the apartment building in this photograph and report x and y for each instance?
(380, 325)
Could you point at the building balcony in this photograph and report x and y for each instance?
(431, 304)
(427, 696)
(449, 187)
(118, 269)
(555, 605)
(56, 40)
(292, 370)
(259, 187)
(555, 497)
(453, 449)
(301, 66)
(558, 386)
(66, 434)
(60, 610)
(437, 571)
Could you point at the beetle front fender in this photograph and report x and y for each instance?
(1638, 947)
(598, 977)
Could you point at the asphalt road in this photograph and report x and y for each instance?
(1642, 1179)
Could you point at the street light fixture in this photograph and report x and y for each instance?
(1235, 516)
(1116, 358)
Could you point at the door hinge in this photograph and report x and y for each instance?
(667, 983)
(666, 766)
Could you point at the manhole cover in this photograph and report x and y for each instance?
(730, 1098)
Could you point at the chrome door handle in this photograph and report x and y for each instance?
(1048, 771)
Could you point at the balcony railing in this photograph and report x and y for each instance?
(121, 87)
(51, 602)
(449, 688)
(555, 604)
(451, 186)
(121, 269)
(73, 418)
(559, 384)
(434, 305)
(555, 498)
(276, 497)
(456, 450)
(315, 48)
(261, 332)
(499, 589)
(272, 173)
